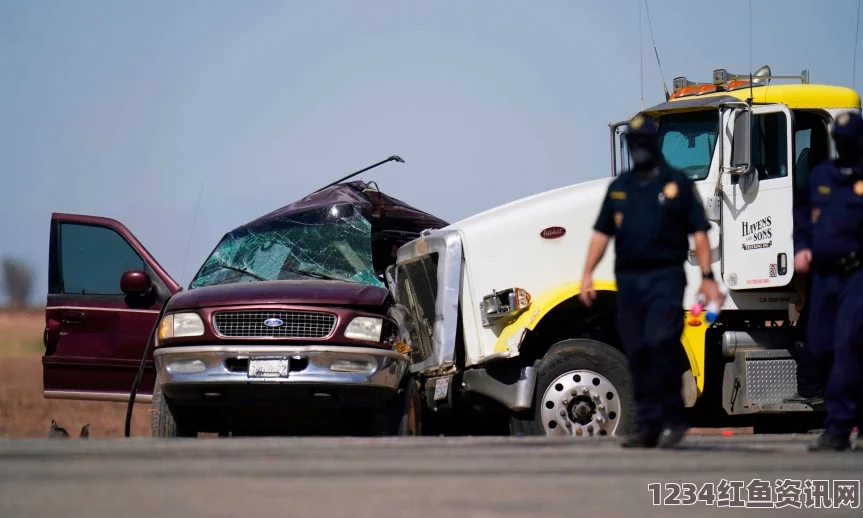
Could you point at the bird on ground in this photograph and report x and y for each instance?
(56, 432)
(85, 431)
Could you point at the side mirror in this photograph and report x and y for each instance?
(135, 283)
(741, 143)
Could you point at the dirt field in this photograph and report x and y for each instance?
(23, 410)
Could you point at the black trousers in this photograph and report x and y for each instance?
(813, 365)
(836, 344)
(650, 324)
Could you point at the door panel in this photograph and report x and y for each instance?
(95, 335)
(757, 222)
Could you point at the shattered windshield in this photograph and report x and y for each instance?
(326, 243)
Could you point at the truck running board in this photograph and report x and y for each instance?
(760, 382)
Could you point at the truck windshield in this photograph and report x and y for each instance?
(320, 243)
(687, 141)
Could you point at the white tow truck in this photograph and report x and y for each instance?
(497, 325)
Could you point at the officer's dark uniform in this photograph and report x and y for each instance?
(830, 224)
(812, 369)
(651, 211)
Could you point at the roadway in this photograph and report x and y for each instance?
(392, 477)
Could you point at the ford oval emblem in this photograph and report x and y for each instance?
(552, 232)
(273, 322)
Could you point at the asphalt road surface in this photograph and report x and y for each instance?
(395, 477)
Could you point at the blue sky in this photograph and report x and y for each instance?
(123, 109)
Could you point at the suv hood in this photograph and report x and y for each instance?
(307, 292)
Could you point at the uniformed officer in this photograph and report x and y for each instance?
(828, 242)
(812, 369)
(651, 211)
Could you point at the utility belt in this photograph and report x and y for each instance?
(844, 265)
(647, 265)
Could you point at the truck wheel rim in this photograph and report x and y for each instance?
(580, 403)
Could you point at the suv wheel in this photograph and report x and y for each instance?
(166, 420)
(402, 414)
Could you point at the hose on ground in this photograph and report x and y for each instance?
(140, 374)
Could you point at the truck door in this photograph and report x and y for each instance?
(95, 334)
(757, 212)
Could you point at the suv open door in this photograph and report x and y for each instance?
(104, 294)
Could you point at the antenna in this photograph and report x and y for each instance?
(641, 54)
(751, 94)
(856, 37)
(650, 25)
(393, 158)
(191, 233)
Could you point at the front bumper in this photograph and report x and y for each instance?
(313, 377)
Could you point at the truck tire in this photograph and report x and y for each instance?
(401, 416)
(589, 382)
(163, 418)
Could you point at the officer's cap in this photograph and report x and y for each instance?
(642, 126)
(848, 125)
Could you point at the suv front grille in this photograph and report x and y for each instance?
(294, 324)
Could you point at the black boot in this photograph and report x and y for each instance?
(671, 436)
(831, 442)
(641, 440)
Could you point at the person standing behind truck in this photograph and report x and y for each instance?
(651, 211)
(828, 241)
(811, 370)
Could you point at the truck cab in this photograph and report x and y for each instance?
(288, 324)
(498, 327)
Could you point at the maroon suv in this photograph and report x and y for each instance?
(287, 326)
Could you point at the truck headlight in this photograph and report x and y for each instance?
(181, 325)
(503, 304)
(365, 328)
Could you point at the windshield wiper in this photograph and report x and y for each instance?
(241, 270)
(313, 274)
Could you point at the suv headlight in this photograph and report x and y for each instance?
(365, 328)
(180, 325)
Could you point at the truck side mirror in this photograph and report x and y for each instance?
(741, 153)
(135, 283)
(741, 143)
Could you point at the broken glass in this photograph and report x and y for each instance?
(327, 242)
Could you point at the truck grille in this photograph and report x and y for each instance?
(295, 324)
(417, 290)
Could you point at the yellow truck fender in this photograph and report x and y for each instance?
(692, 339)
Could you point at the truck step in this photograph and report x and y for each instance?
(760, 382)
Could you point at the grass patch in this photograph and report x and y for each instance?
(22, 346)
(21, 333)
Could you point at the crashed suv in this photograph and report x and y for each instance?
(288, 326)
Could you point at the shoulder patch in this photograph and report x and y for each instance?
(815, 214)
(638, 121)
(617, 195)
(824, 189)
(843, 119)
(670, 190)
(618, 219)
(858, 188)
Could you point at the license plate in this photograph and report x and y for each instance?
(440, 388)
(268, 368)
